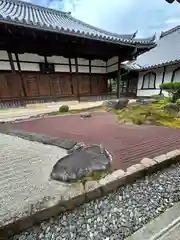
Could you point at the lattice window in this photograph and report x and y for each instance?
(176, 75)
(149, 81)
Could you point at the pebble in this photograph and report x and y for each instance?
(116, 216)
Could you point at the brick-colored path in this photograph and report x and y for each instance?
(127, 144)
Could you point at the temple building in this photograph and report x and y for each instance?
(159, 65)
(48, 55)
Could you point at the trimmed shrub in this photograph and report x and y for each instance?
(172, 107)
(178, 102)
(64, 108)
(173, 88)
(158, 97)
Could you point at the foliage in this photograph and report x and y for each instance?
(178, 102)
(173, 88)
(158, 97)
(172, 107)
(150, 114)
(64, 108)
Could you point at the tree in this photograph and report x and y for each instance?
(173, 88)
(172, 1)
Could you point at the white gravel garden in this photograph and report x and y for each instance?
(116, 216)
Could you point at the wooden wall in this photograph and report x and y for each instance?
(50, 85)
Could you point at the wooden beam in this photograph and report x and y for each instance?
(11, 61)
(50, 83)
(20, 74)
(90, 76)
(118, 77)
(77, 78)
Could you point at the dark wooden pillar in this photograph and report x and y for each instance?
(90, 77)
(20, 74)
(77, 78)
(50, 82)
(118, 77)
(70, 70)
(11, 62)
(163, 77)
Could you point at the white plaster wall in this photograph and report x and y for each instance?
(97, 62)
(29, 66)
(82, 61)
(83, 69)
(3, 55)
(35, 58)
(98, 70)
(112, 68)
(58, 59)
(112, 61)
(150, 92)
(15, 66)
(159, 75)
(112, 64)
(73, 69)
(5, 66)
(61, 68)
(30, 57)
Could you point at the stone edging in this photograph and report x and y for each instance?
(77, 194)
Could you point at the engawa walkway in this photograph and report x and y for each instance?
(127, 144)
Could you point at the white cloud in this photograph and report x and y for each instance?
(121, 16)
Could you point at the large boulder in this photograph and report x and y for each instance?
(116, 104)
(172, 107)
(85, 115)
(121, 103)
(146, 100)
(110, 103)
(81, 161)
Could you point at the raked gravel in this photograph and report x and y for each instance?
(115, 216)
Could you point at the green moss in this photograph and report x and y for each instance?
(151, 113)
(94, 176)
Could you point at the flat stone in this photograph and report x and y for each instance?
(113, 181)
(148, 162)
(75, 196)
(161, 158)
(55, 141)
(85, 115)
(92, 190)
(135, 171)
(173, 154)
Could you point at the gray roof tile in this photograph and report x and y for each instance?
(29, 15)
(167, 51)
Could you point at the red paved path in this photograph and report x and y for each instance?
(127, 144)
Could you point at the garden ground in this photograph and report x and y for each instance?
(128, 144)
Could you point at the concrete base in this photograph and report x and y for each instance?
(165, 227)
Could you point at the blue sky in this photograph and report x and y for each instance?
(121, 16)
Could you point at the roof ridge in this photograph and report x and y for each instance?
(67, 14)
(36, 6)
(14, 12)
(171, 30)
(100, 29)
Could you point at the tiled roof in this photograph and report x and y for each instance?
(33, 16)
(166, 52)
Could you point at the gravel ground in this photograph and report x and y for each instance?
(115, 216)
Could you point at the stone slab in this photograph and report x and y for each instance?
(41, 138)
(161, 227)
